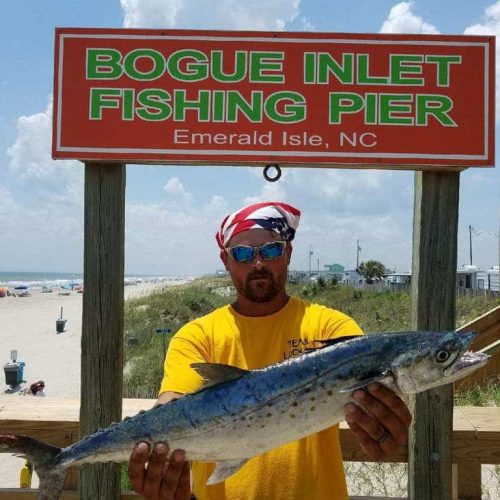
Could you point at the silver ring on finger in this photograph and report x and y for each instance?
(383, 438)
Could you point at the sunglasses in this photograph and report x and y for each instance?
(268, 251)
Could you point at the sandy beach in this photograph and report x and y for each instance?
(28, 324)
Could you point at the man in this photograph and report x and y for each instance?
(263, 326)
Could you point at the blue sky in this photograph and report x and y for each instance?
(172, 213)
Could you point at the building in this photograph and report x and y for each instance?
(398, 278)
(352, 278)
(467, 277)
(489, 279)
(334, 270)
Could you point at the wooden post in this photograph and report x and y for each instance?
(435, 226)
(102, 323)
(467, 480)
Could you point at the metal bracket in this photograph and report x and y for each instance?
(266, 172)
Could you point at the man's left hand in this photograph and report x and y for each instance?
(380, 422)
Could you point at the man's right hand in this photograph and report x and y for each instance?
(157, 477)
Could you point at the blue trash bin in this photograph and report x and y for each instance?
(14, 373)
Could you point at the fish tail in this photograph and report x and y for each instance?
(44, 458)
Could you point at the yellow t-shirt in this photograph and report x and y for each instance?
(308, 469)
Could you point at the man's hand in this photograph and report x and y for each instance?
(157, 477)
(381, 425)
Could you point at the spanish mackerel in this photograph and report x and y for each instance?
(238, 414)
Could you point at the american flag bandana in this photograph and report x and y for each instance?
(272, 215)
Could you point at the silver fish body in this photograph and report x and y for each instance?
(239, 414)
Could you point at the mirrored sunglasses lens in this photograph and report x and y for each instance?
(243, 254)
(271, 250)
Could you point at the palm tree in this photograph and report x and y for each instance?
(371, 270)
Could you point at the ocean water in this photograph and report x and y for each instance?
(37, 280)
(11, 279)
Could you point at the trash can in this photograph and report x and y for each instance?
(13, 373)
(60, 324)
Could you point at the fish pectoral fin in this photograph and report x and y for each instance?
(363, 383)
(216, 373)
(225, 469)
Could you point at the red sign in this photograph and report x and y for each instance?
(212, 97)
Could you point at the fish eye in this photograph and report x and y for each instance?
(442, 356)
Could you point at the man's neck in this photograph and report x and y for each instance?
(247, 307)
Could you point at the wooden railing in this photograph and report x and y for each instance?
(476, 439)
(488, 328)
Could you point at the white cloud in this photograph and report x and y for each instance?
(161, 240)
(490, 26)
(31, 162)
(217, 206)
(269, 192)
(150, 13)
(177, 192)
(401, 19)
(41, 211)
(38, 235)
(208, 14)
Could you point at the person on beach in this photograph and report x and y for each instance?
(263, 326)
(36, 388)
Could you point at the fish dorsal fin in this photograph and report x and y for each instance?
(330, 342)
(225, 469)
(216, 373)
(337, 340)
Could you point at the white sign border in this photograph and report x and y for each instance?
(243, 153)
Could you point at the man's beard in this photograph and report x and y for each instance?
(262, 292)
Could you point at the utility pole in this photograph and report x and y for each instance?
(470, 244)
(310, 254)
(318, 267)
(358, 249)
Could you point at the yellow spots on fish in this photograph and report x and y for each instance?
(269, 415)
(313, 408)
(292, 415)
(330, 393)
(295, 404)
(312, 398)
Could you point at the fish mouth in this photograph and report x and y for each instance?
(467, 363)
